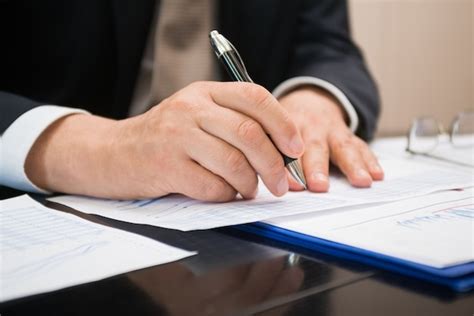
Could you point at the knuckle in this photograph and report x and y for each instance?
(181, 104)
(236, 161)
(369, 156)
(343, 142)
(275, 165)
(198, 84)
(318, 143)
(214, 190)
(202, 87)
(358, 141)
(187, 108)
(259, 95)
(325, 151)
(249, 130)
(360, 144)
(287, 123)
(168, 128)
(202, 115)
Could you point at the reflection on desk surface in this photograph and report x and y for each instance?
(173, 289)
(221, 292)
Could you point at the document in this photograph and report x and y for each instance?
(44, 250)
(435, 230)
(450, 153)
(404, 179)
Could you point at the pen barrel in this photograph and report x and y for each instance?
(237, 72)
(286, 159)
(234, 67)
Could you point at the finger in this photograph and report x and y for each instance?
(224, 160)
(259, 104)
(346, 155)
(371, 162)
(248, 136)
(316, 164)
(201, 184)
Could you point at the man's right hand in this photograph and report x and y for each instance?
(207, 141)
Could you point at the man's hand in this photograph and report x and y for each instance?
(207, 141)
(322, 125)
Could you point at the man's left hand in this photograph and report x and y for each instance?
(327, 138)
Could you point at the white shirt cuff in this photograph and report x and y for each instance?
(17, 140)
(292, 83)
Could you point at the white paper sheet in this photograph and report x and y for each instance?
(435, 230)
(404, 179)
(462, 155)
(44, 250)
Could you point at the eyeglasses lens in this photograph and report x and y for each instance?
(424, 135)
(463, 130)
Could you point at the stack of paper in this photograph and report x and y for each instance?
(434, 230)
(44, 250)
(404, 179)
(429, 238)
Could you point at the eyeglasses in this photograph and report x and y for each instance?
(426, 134)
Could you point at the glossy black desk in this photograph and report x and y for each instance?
(236, 274)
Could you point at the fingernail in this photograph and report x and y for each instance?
(282, 186)
(376, 167)
(320, 177)
(377, 172)
(296, 145)
(361, 173)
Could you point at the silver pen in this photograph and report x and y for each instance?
(230, 58)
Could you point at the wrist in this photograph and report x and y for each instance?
(68, 155)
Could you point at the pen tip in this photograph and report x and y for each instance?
(297, 173)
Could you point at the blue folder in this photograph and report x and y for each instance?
(459, 278)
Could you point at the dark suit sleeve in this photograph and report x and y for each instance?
(324, 49)
(11, 107)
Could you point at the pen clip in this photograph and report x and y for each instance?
(239, 59)
(238, 55)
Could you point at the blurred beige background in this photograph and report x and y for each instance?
(421, 54)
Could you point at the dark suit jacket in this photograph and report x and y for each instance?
(87, 53)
